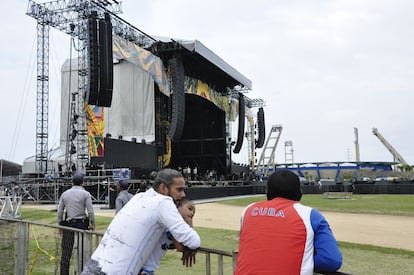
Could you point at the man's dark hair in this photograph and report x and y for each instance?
(285, 184)
(77, 178)
(123, 184)
(166, 176)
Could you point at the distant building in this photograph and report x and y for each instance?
(9, 169)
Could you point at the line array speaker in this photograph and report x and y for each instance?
(260, 128)
(105, 62)
(91, 96)
(100, 61)
(177, 98)
(240, 134)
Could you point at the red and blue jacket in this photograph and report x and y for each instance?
(282, 236)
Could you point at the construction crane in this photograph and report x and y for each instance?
(397, 157)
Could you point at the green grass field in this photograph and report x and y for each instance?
(401, 205)
(358, 259)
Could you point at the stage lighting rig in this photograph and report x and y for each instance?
(255, 102)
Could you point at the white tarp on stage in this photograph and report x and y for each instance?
(132, 111)
(131, 114)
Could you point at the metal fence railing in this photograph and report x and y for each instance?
(220, 259)
(34, 248)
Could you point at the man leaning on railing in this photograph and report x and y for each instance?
(282, 236)
(136, 229)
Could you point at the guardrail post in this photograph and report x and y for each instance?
(21, 257)
(234, 259)
(83, 248)
(220, 264)
(208, 264)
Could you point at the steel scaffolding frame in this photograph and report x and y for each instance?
(266, 163)
(42, 98)
(70, 17)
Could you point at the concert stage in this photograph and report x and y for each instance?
(172, 106)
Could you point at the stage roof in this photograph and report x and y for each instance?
(202, 63)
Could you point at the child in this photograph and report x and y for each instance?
(187, 209)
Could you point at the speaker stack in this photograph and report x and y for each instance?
(177, 98)
(260, 128)
(93, 75)
(100, 86)
(240, 134)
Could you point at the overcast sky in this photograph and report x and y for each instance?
(322, 67)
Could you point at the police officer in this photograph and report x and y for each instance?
(71, 212)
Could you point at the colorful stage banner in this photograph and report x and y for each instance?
(124, 49)
(96, 130)
(197, 87)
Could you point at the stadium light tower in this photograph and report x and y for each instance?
(289, 152)
(357, 158)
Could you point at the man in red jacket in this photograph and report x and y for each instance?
(282, 236)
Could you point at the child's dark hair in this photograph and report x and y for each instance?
(182, 201)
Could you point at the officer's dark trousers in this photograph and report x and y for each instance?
(68, 239)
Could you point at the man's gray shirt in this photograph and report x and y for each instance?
(75, 200)
(123, 197)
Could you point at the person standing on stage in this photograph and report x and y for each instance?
(71, 212)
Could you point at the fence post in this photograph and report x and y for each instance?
(87, 247)
(83, 249)
(208, 264)
(22, 238)
(220, 264)
(234, 258)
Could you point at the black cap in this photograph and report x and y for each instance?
(285, 184)
(123, 183)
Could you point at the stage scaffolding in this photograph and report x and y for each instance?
(71, 17)
(100, 183)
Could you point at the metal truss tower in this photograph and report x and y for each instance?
(267, 157)
(71, 17)
(250, 134)
(42, 96)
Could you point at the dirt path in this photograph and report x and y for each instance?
(380, 230)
